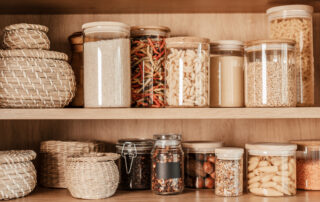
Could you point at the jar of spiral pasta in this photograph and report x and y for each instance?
(271, 169)
(187, 72)
(295, 22)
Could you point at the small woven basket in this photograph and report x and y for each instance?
(53, 157)
(26, 36)
(17, 173)
(92, 176)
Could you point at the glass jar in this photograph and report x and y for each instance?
(135, 163)
(295, 22)
(270, 74)
(271, 169)
(187, 72)
(147, 65)
(106, 64)
(226, 74)
(200, 164)
(167, 172)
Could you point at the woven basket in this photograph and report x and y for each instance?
(17, 174)
(35, 79)
(53, 156)
(92, 176)
(26, 36)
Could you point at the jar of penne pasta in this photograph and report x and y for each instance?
(271, 169)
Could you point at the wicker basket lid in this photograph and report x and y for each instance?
(33, 53)
(56, 146)
(16, 156)
(26, 26)
(94, 157)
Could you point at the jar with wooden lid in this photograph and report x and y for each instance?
(226, 74)
(148, 65)
(187, 72)
(295, 22)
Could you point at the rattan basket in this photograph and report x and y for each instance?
(92, 176)
(17, 173)
(53, 156)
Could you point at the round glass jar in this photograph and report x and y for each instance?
(295, 22)
(148, 65)
(270, 73)
(135, 163)
(167, 172)
(200, 163)
(106, 64)
(187, 72)
(271, 169)
(226, 74)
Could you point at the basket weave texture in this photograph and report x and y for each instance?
(92, 176)
(17, 173)
(53, 158)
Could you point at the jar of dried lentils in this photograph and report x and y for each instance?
(167, 171)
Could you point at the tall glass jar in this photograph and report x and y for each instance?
(167, 172)
(270, 73)
(226, 74)
(147, 65)
(295, 22)
(187, 72)
(106, 64)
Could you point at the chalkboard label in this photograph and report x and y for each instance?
(168, 170)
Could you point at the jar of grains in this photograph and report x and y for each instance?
(295, 22)
(135, 163)
(270, 74)
(187, 72)
(167, 165)
(106, 64)
(226, 74)
(271, 169)
(200, 163)
(147, 65)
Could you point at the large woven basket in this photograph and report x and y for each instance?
(26, 36)
(17, 174)
(35, 79)
(92, 176)
(53, 156)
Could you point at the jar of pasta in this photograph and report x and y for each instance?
(187, 72)
(295, 22)
(147, 65)
(271, 169)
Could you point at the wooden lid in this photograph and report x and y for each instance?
(187, 39)
(16, 156)
(270, 41)
(307, 144)
(229, 153)
(269, 146)
(153, 27)
(76, 38)
(296, 7)
(26, 26)
(105, 26)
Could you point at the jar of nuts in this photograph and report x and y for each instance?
(167, 172)
(200, 163)
(271, 169)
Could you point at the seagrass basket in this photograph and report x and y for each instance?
(17, 173)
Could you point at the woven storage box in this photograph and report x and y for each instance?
(53, 156)
(35, 79)
(26, 36)
(92, 176)
(17, 174)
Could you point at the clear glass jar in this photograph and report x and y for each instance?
(200, 163)
(167, 172)
(187, 72)
(229, 171)
(226, 74)
(271, 169)
(135, 163)
(106, 64)
(270, 74)
(295, 22)
(148, 65)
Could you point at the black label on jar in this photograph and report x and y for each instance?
(168, 170)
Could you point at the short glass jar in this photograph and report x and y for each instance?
(226, 74)
(200, 163)
(270, 73)
(135, 163)
(167, 172)
(271, 169)
(187, 72)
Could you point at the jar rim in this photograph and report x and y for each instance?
(105, 26)
(270, 146)
(270, 41)
(172, 136)
(150, 27)
(295, 7)
(187, 39)
(229, 153)
(205, 146)
(307, 144)
(225, 45)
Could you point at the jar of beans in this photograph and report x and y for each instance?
(135, 163)
(167, 170)
(200, 163)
